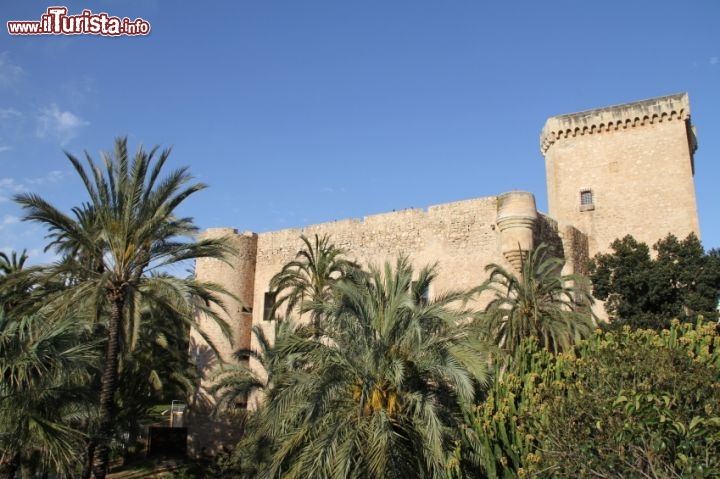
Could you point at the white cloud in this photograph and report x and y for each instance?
(9, 114)
(62, 125)
(9, 73)
(714, 60)
(52, 177)
(8, 220)
(9, 187)
(11, 121)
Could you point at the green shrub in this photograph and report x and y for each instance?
(623, 404)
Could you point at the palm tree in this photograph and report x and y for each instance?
(310, 276)
(235, 383)
(154, 365)
(380, 392)
(44, 369)
(539, 302)
(14, 285)
(12, 263)
(127, 229)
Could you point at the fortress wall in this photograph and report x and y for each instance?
(461, 237)
(546, 231)
(636, 159)
(566, 241)
(577, 252)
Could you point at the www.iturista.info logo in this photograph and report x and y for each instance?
(57, 22)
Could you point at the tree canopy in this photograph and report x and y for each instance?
(376, 388)
(628, 403)
(680, 281)
(110, 248)
(537, 302)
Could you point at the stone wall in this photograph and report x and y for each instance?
(636, 160)
(462, 238)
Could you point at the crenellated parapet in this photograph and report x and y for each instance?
(624, 169)
(628, 115)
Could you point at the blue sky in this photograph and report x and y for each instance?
(304, 112)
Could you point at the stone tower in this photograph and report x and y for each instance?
(623, 169)
(626, 169)
(236, 276)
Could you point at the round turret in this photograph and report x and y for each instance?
(516, 216)
(237, 277)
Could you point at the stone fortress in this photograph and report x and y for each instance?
(625, 169)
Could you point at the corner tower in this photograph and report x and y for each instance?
(625, 169)
(236, 275)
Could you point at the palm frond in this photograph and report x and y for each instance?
(538, 302)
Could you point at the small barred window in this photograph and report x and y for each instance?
(586, 198)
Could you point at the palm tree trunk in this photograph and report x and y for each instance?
(88, 458)
(108, 388)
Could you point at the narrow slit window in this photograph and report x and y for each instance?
(268, 305)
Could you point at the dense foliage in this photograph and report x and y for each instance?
(627, 403)
(374, 389)
(537, 302)
(681, 281)
(106, 282)
(44, 371)
(383, 378)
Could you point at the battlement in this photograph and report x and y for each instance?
(623, 169)
(623, 116)
(612, 171)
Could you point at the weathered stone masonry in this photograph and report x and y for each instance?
(613, 171)
(635, 160)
